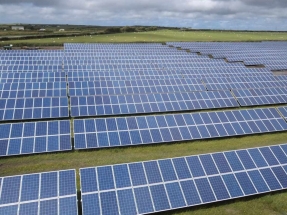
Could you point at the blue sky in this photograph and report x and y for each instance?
(215, 14)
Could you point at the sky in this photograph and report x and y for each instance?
(199, 14)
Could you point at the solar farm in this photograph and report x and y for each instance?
(140, 128)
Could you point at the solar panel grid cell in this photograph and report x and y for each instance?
(34, 137)
(33, 108)
(40, 193)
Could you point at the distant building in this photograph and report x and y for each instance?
(18, 28)
(42, 29)
(61, 29)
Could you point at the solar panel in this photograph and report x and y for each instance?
(39, 193)
(31, 68)
(28, 77)
(33, 108)
(134, 87)
(283, 111)
(248, 97)
(264, 53)
(166, 184)
(34, 137)
(242, 83)
(35, 89)
(93, 75)
(150, 103)
(127, 131)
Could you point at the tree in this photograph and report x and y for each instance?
(128, 29)
(139, 29)
(112, 30)
(152, 28)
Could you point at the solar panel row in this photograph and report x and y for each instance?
(251, 54)
(266, 96)
(39, 193)
(35, 89)
(238, 83)
(165, 73)
(30, 68)
(31, 76)
(114, 132)
(34, 137)
(91, 77)
(134, 87)
(150, 103)
(33, 93)
(33, 86)
(33, 108)
(161, 185)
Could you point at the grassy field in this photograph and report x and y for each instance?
(157, 36)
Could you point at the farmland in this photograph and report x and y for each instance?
(159, 36)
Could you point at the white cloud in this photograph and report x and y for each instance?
(253, 14)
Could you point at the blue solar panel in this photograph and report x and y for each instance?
(29, 77)
(167, 184)
(252, 82)
(34, 137)
(33, 108)
(112, 132)
(283, 111)
(146, 103)
(35, 89)
(250, 97)
(270, 54)
(134, 87)
(39, 193)
(31, 68)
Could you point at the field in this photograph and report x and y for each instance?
(156, 36)
(265, 204)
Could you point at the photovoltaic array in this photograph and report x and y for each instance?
(160, 185)
(131, 90)
(127, 131)
(134, 87)
(269, 54)
(150, 103)
(263, 96)
(33, 108)
(30, 77)
(33, 88)
(39, 193)
(34, 137)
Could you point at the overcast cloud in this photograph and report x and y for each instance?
(218, 14)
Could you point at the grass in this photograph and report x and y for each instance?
(265, 204)
(157, 36)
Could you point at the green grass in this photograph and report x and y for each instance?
(158, 36)
(264, 204)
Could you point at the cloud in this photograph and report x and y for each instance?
(203, 13)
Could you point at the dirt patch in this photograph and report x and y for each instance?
(231, 211)
(53, 48)
(42, 48)
(279, 72)
(255, 66)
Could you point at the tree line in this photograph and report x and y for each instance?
(112, 30)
